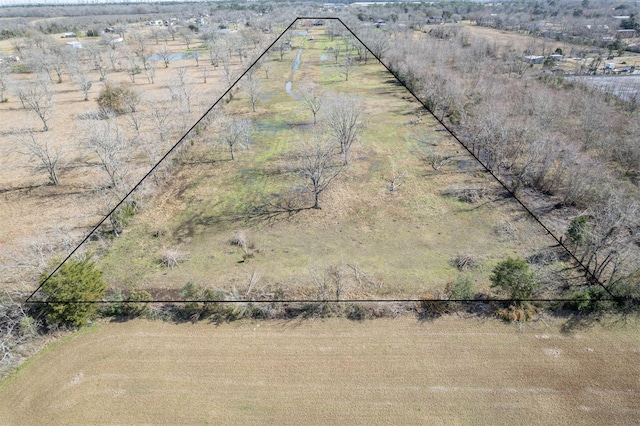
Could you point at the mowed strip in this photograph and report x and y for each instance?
(331, 371)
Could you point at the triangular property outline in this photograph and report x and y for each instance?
(589, 274)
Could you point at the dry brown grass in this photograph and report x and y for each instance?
(400, 371)
(30, 208)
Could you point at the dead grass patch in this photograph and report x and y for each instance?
(401, 371)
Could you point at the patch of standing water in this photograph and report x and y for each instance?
(288, 89)
(323, 57)
(296, 64)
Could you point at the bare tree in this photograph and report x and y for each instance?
(253, 88)
(82, 79)
(437, 159)
(180, 90)
(234, 134)
(228, 73)
(266, 66)
(196, 55)
(347, 66)
(38, 60)
(284, 45)
(150, 72)
(57, 61)
(117, 216)
(205, 73)
(4, 82)
(113, 56)
(336, 52)
(214, 49)
(165, 54)
(36, 96)
(311, 98)
(47, 159)
(396, 179)
(172, 30)
(187, 37)
(343, 121)
(104, 139)
(161, 115)
(140, 48)
(317, 166)
(378, 41)
(156, 34)
(133, 66)
(153, 151)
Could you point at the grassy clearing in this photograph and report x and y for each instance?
(403, 240)
(400, 371)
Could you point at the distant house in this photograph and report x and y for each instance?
(556, 57)
(626, 33)
(68, 35)
(531, 59)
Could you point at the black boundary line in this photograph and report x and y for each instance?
(104, 302)
(592, 277)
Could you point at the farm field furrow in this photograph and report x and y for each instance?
(403, 371)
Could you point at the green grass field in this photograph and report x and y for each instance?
(403, 241)
(334, 371)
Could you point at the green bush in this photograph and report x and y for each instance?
(204, 303)
(513, 278)
(578, 230)
(136, 305)
(117, 100)
(77, 285)
(28, 327)
(462, 287)
(589, 300)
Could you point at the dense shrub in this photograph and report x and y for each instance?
(431, 306)
(77, 285)
(461, 288)
(521, 313)
(513, 278)
(587, 300)
(578, 230)
(201, 303)
(117, 100)
(132, 305)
